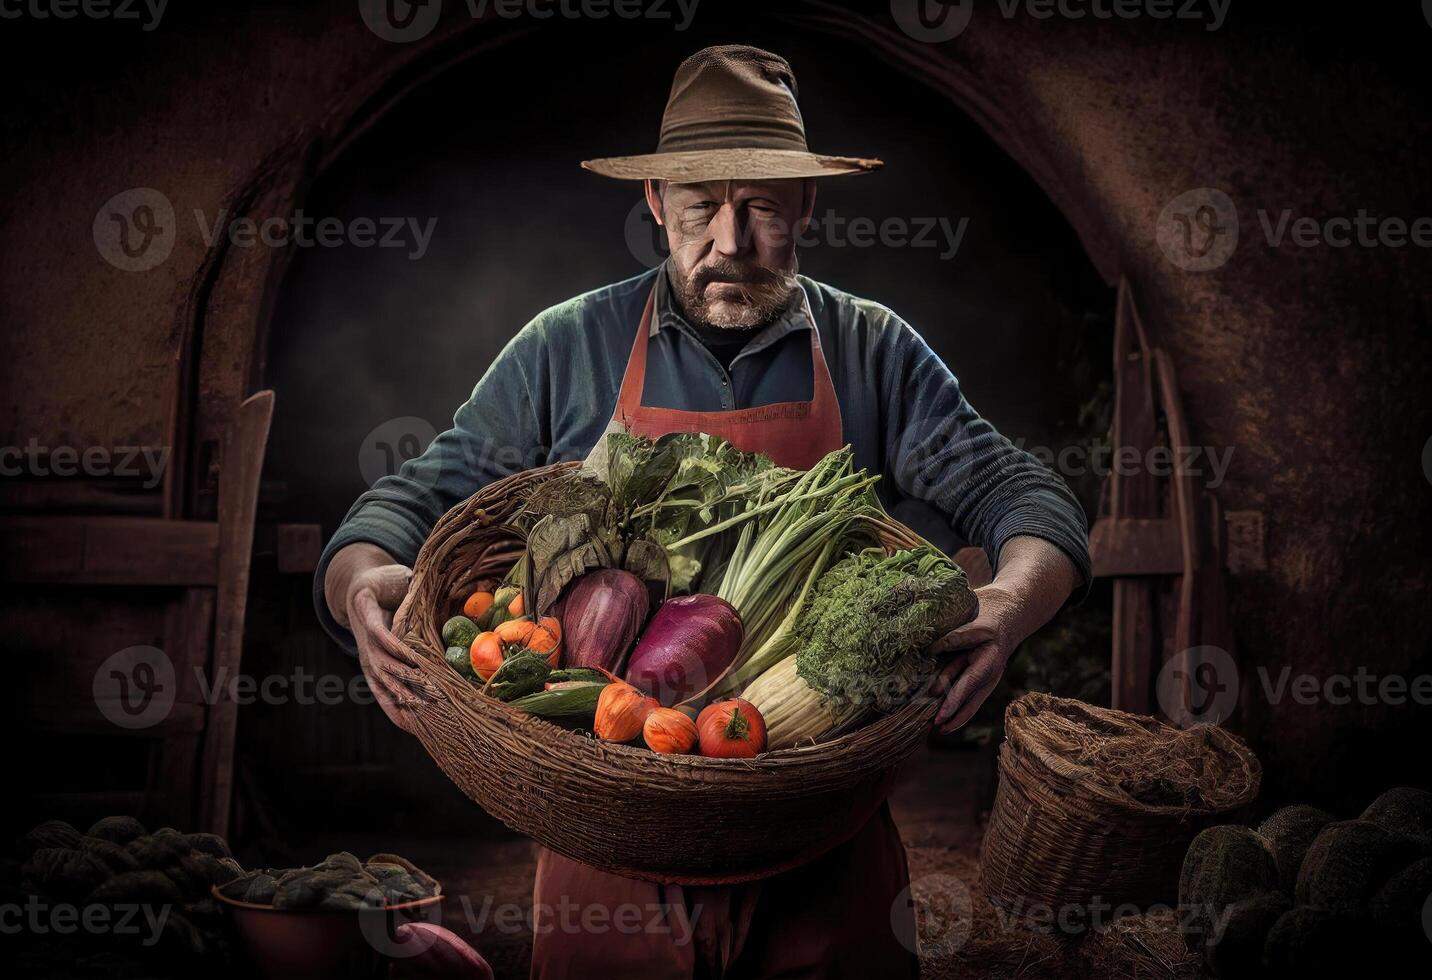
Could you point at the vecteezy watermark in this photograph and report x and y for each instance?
(568, 916)
(646, 240)
(1427, 453)
(1362, 230)
(33, 459)
(933, 915)
(1198, 686)
(405, 21)
(88, 9)
(136, 687)
(135, 229)
(935, 21)
(1198, 229)
(305, 231)
(1199, 923)
(1360, 687)
(931, 452)
(384, 450)
(932, 21)
(40, 918)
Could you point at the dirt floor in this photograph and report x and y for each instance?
(937, 807)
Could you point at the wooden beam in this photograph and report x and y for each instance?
(1128, 547)
(108, 551)
(1136, 622)
(240, 467)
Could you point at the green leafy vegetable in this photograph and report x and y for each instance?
(520, 674)
(563, 548)
(872, 616)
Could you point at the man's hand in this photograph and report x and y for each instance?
(982, 647)
(1034, 579)
(363, 588)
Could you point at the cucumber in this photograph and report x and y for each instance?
(459, 632)
(460, 659)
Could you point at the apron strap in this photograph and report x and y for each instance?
(634, 378)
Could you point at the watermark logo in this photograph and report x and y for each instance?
(88, 9)
(1360, 229)
(645, 239)
(33, 459)
(1198, 230)
(1198, 686)
(305, 231)
(942, 919)
(41, 918)
(1361, 687)
(390, 445)
(1427, 450)
(932, 21)
(400, 21)
(135, 230)
(392, 933)
(135, 688)
(405, 21)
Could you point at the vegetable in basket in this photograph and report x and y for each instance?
(862, 641)
(602, 613)
(668, 731)
(492, 649)
(688, 644)
(621, 712)
(564, 701)
(731, 729)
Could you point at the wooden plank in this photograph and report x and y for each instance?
(80, 718)
(1126, 547)
(1136, 632)
(1185, 502)
(298, 548)
(108, 551)
(174, 765)
(241, 465)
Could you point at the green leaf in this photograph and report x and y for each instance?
(561, 549)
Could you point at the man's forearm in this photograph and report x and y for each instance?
(1038, 577)
(347, 564)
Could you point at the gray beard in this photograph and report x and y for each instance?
(762, 302)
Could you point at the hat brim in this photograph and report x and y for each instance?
(737, 163)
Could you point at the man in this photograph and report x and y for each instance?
(725, 338)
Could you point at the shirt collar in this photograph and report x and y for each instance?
(668, 314)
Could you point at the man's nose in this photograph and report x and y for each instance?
(727, 234)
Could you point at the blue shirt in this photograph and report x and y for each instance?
(551, 392)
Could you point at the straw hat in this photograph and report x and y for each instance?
(731, 115)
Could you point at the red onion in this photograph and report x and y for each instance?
(601, 613)
(690, 641)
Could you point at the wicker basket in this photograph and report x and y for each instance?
(622, 809)
(1063, 834)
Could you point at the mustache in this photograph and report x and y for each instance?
(737, 273)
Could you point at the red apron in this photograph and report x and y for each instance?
(839, 916)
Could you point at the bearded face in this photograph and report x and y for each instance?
(733, 246)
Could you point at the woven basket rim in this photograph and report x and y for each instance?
(1084, 782)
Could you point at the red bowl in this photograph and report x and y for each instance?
(318, 944)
